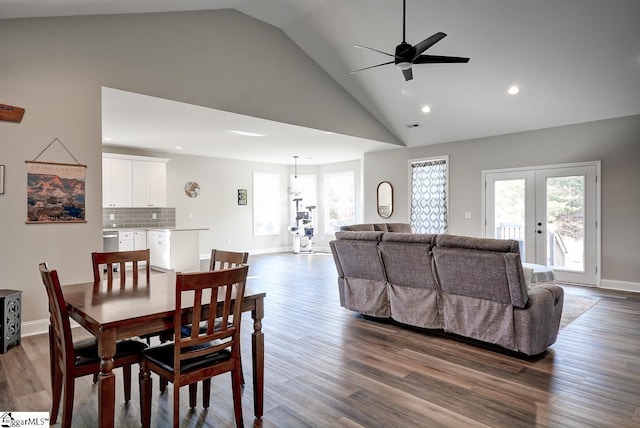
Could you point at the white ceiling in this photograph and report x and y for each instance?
(574, 60)
(134, 120)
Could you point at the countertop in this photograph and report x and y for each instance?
(174, 229)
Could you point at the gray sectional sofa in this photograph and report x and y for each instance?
(471, 287)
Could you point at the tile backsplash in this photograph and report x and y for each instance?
(127, 218)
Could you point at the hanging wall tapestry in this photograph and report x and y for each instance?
(55, 192)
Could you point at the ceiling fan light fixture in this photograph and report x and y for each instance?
(405, 65)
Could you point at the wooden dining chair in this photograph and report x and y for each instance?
(139, 262)
(201, 355)
(71, 360)
(110, 261)
(220, 259)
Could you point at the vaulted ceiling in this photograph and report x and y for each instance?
(573, 60)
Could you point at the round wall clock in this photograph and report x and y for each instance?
(192, 189)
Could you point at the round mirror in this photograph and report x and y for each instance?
(385, 199)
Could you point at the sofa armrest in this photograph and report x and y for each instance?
(537, 324)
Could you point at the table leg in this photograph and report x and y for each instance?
(257, 348)
(106, 380)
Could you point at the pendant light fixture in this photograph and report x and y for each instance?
(293, 191)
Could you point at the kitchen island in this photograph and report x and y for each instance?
(174, 249)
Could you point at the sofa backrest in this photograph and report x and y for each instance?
(408, 265)
(381, 227)
(356, 254)
(481, 268)
(358, 227)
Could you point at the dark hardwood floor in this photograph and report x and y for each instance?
(328, 367)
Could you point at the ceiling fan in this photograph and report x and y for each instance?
(407, 55)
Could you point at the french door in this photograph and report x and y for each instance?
(553, 213)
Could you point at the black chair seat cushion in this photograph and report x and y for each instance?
(87, 350)
(150, 335)
(162, 355)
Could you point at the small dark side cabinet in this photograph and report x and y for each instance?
(10, 319)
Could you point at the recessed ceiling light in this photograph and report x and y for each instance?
(247, 134)
(107, 139)
(426, 109)
(178, 147)
(514, 90)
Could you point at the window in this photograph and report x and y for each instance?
(429, 195)
(340, 195)
(266, 203)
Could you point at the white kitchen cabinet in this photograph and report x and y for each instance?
(149, 184)
(125, 240)
(129, 240)
(140, 239)
(133, 181)
(174, 249)
(116, 182)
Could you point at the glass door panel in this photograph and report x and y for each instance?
(509, 208)
(551, 212)
(565, 222)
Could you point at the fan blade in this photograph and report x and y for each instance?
(427, 43)
(408, 74)
(373, 66)
(372, 49)
(438, 59)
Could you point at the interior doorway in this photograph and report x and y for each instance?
(553, 211)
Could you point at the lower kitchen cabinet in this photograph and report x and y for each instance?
(125, 240)
(174, 249)
(140, 239)
(129, 240)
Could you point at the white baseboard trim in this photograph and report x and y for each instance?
(206, 256)
(611, 284)
(31, 328)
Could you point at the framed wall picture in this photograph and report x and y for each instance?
(55, 192)
(242, 196)
(1, 179)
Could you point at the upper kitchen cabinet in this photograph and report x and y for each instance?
(116, 182)
(149, 184)
(133, 181)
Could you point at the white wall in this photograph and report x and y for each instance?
(56, 67)
(216, 209)
(616, 142)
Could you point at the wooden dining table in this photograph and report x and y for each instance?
(123, 310)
